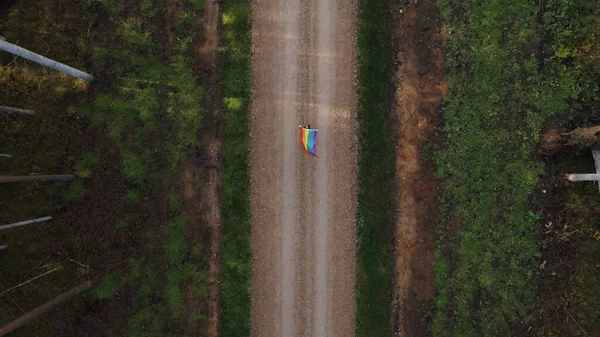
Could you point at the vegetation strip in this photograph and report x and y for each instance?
(156, 97)
(376, 169)
(141, 117)
(236, 269)
(510, 67)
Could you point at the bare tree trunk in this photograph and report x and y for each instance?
(14, 179)
(5, 155)
(26, 54)
(17, 323)
(16, 110)
(27, 222)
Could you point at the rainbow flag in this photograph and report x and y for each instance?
(308, 138)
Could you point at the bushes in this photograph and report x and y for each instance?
(111, 283)
(86, 163)
(152, 111)
(145, 109)
(501, 87)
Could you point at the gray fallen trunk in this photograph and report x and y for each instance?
(583, 177)
(17, 323)
(10, 109)
(588, 176)
(14, 179)
(37, 58)
(26, 222)
(2, 155)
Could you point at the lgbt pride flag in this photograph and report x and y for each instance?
(308, 138)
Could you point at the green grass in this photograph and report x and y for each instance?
(506, 75)
(236, 269)
(376, 169)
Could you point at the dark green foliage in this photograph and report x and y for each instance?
(75, 191)
(376, 169)
(86, 163)
(175, 243)
(235, 283)
(145, 109)
(152, 113)
(503, 84)
(111, 283)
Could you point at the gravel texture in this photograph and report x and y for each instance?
(303, 208)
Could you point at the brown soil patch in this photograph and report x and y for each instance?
(565, 206)
(420, 81)
(201, 196)
(202, 172)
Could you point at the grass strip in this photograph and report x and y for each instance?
(236, 270)
(376, 169)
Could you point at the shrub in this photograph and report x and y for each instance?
(111, 283)
(500, 91)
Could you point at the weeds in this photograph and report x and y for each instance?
(152, 113)
(111, 283)
(145, 109)
(503, 83)
(86, 163)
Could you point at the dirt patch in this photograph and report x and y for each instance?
(202, 172)
(201, 191)
(420, 83)
(567, 209)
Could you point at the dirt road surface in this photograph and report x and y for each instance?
(303, 209)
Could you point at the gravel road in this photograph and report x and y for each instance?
(303, 209)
